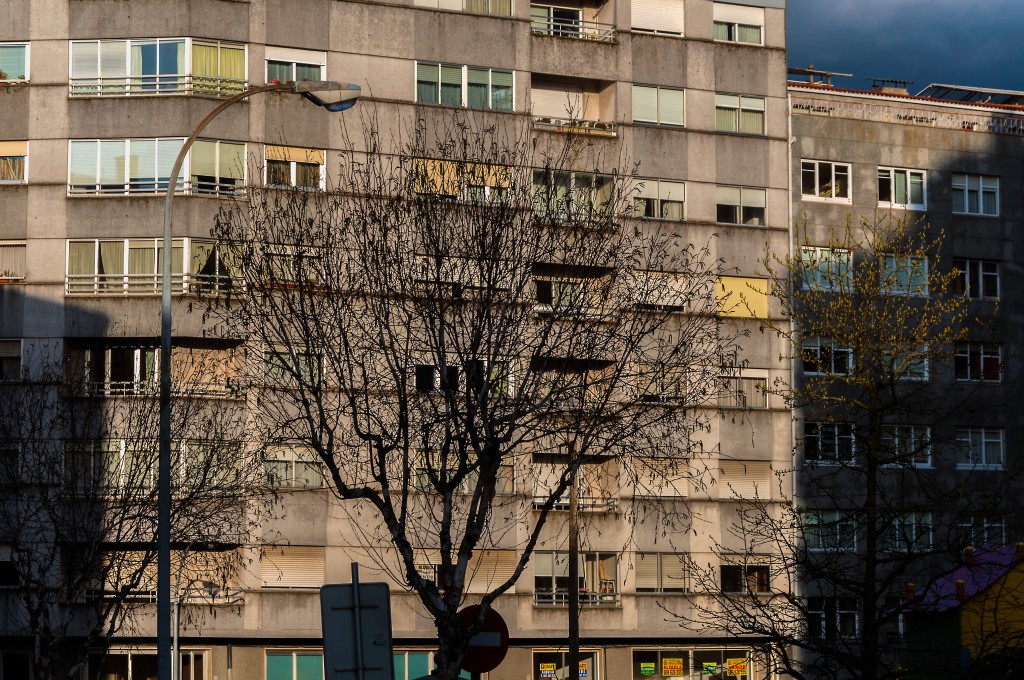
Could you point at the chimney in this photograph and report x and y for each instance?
(969, 559)
(910, 591)
(889, 89)
(1018, 555)
(961, 593)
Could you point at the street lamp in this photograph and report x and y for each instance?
(331, 96)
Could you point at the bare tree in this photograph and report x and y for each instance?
(79, 470)
(888, 481)
(470, 303)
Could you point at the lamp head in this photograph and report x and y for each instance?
(330, 95)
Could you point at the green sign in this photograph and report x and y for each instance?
(647, 668)
(709, 668)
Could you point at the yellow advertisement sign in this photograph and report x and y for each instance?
(736, 667)
(671, 667)
(547, 670)
(583, 669)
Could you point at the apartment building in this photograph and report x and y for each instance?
(97, 99)
(945, 163)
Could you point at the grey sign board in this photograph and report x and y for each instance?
(356, 620)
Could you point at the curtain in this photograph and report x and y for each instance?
(752, 122)
(307, 72)
(142, 266)
(501, 7)
(12, 260)
(476, 6)
(722, 30)
(12, 168)
(111, 264)
(204, 69)
(477, 85)
(280, 71)
(142, 165)
(451, 85)
(748, 34)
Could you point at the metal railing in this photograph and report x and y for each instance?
(143, 388)
(587, 598)
(581, 127)
(584, 503)
(148, 284)
(199, 185)
(156, 85)
(578, 29)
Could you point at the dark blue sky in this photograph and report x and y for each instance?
(955, 42)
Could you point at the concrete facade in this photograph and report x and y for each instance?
(52, 114)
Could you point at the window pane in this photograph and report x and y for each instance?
(307, 72)
(670, 107)
(749, 34)
(12, 62)
(477, 95)
(451, 85)
(427, 83)
(279, 70)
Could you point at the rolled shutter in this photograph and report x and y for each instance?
(671, 107)
(85, 59)
(204, 158)
(292, 567)
(232, 160)
(490, 568)
(745, 479)
(14, 149)
(645, 104)
(294, 153)
(727, 195)
(9, 349)
(664, 16)
(557, 101)
(753, 198)
(738, 14)
(646, 566)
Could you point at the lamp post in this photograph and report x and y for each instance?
(331, 96)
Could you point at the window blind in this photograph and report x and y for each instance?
(745, 479)
(292, 567)
(645, 104)
(664, 16)
(738, 14)
(557, 101)
(671, 107)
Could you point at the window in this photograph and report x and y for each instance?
(660, 199)
(979, 447)
(904, 275)
(976, 361)
(293, 167)
(561, 295)
(738, 113)
(740, 205)
(128, 466)
(10, 360)
(471, 86)
(658, 16)
(975, 194)
(826, 269)
(661, 383)
(432, 472)
(743, 392)
(911, 532)
(745, 479)
(736, 23)
(13, 62)
(906, 445)
(156, 66)
(658, 105)
(480, 183)
(13, 162)
(906, 363)
(821, 356)
(898, 188)
(292, 466)
(288, 367)
(978, 530)
(830, 530)
(661, 573)
(497, 7)
(477, 375)
(825, 180)
(302, 665)
(122, 665)
(596, 484)
(8, 569)
(408, 665)
(745, 578)
(976, 278)
(118, 370)
(122, 266)
(12, 262)
(598, 578)
(122, 166)
(828, 442)
(293, 65)
(573, 196)
(659, 664)
(548, 665)
(832, 617)
(217, 167)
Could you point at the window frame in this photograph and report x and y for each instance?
(26, 66)
(580, 197)
(724, 103)
(11, 357)
(891, 178)
(591, 564)
(829, 531)
(99, 362)
(985, 524)
(971, 362)
(291, 456)
(895, 267)
(294, 57)
(660, 117)
(757, 572)
(960, 184)
(972, 280)
(911, 532)
(747, 212)
(660, 587)
(816, 171)
(293, 168)
(835, 277)
(13, 276)
(991, 445)
(841, 435)
(464, 84)
(14, 158)
(830, 612)
(656, 194)
(917, 438)
(826, 351)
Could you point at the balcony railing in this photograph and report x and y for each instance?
(598, 128)
(148, 284)
(587, 598)
(584, 503)
(144, 388)
(156, 85)
(199, 185)
(573, 28)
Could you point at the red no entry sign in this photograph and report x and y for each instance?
(488, 647)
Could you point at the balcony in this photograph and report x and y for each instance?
(149, 284)
(560, 598)
(583, 503)
(568, 23)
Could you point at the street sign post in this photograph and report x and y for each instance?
(488, 647)
(356, 619)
